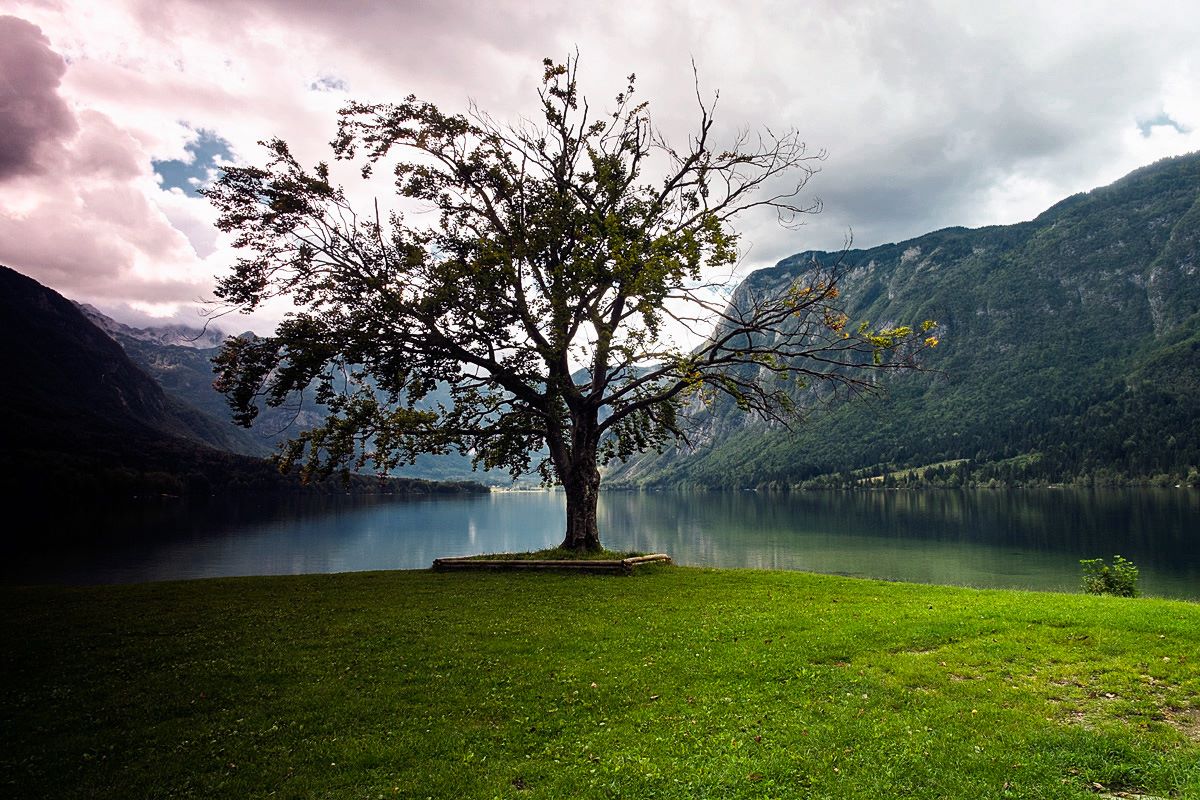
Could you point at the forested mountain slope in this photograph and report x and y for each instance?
(1070, 350)
(179, 359)
(80, 419)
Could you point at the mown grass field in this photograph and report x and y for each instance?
(671, 683)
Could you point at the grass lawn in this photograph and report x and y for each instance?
(671, 683)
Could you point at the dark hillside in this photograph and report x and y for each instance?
(81, 421)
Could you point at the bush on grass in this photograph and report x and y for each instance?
(1119, 578)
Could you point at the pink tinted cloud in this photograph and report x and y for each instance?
(76, 191)
(936, 104)
(72, 254)
(103, 150)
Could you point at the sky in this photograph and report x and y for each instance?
(931, 114)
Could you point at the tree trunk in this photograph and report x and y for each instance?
(583, 494)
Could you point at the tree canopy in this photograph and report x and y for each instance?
(535, 293)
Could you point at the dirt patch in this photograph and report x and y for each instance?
(1079, 718)
(1186, 721)
(1066, 682)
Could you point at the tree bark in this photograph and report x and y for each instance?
(583, 495)
(580, 478)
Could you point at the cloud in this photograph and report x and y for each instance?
(34, 120)
(329, 83)
(934, 113)
(78, 206)
(937, 114)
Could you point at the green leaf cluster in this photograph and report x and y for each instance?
(1118, 578)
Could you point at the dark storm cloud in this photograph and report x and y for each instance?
(33, 118)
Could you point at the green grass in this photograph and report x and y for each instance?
(672, 683)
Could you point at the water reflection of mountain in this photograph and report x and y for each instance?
(1013, 539)
(1157, 525)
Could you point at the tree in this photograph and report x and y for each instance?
(540, 298)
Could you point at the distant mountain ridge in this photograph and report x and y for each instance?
(63, 367)
(1070, 352)
(172, 335)
(77, 412)
(179, 358)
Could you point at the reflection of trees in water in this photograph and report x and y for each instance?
(1157, 525)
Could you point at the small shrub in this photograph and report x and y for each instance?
(1119, 578)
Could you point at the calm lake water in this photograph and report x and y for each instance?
(1015, 539)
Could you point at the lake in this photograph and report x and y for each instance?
(1026, 539)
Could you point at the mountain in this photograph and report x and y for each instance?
(63, 369)
(179, 359)
(1070, 351)
(80, 420)
(77, 413)
(167, 335)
